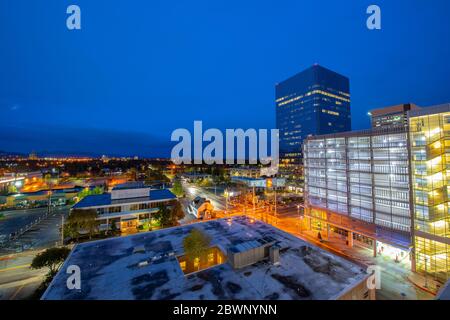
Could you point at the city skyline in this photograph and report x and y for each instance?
(104, 90)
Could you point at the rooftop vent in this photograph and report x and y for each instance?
(139, 249)
(249, 252)
(274, 253)
(142, 263)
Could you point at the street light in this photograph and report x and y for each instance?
(300, 219)
(226, 201)
(275, 195)
(254, 204)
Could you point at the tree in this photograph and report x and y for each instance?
(163, 216)
(113, 226)
(177, 188)
(83, 220)
(51, 258)
(87, 192)
(169, 216)
(177, 213)
(155, 175)
(196, 245)
(206, 182)
(12, 189)
(70, 230)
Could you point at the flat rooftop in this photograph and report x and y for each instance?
(130, 185)
(99, 200)
(114, 268)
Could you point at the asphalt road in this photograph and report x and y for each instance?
(17, 280)
(192, 191)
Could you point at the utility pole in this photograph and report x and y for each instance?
(49, 197)
(276, 215)
(226, 202)
(300, 216)
(254, 202)
(49, 202)
(62, 229)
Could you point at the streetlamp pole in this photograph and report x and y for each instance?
(49, 202)
(62, 229)
(276, 214)
(226, 202)
(254, 204)
(49, 197)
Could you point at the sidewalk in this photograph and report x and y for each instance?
(396, 273)
(362, 254)
(429, 285)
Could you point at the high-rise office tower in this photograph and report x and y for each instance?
(312, 102)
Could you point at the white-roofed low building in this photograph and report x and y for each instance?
(247, 259)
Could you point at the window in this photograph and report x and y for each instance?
(114, 209)
(196, 263)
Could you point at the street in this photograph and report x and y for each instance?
(17, 280)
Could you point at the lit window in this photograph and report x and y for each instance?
(196, 262)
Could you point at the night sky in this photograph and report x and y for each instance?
(140, 69)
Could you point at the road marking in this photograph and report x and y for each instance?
(16, 292)
(6, 258)
(15, 267)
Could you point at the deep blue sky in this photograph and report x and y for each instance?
(139, 69)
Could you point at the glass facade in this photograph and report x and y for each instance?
(315, 101)
(430, 164)
(362, 175)
(396, 178)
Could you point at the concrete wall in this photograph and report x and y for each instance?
(130, 193)
(358, 292)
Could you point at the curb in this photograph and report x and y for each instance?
(422, 288)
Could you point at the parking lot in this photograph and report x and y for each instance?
(38, 230)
